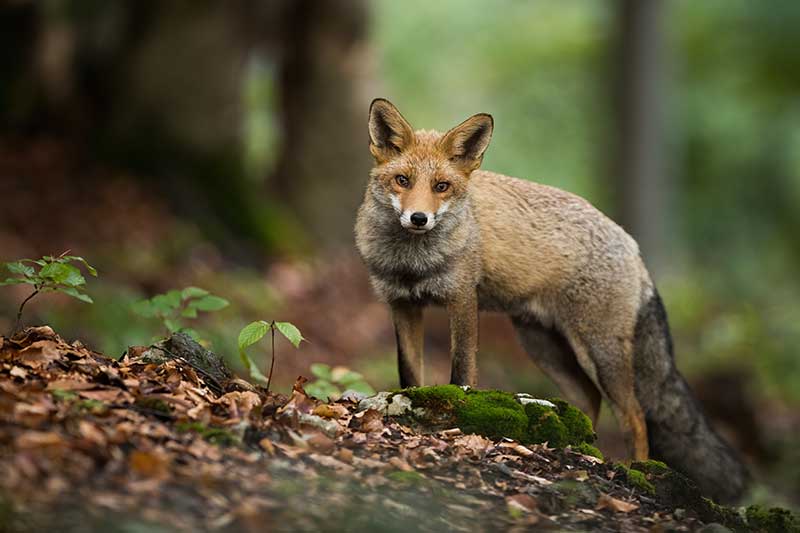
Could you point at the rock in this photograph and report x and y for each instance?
(379, 402)
(714, 527)
(399, 405)
(386, 403)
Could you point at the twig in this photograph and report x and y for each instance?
(272, 364)
(21, 306)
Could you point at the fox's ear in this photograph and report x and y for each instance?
(389, 132)
(466, 143)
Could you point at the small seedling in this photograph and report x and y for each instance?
(54, 274)
(174, 305)
(332, 382)
(254, 332)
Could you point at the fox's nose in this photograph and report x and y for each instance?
(419, 218)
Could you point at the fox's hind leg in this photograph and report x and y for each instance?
(608, 360)
(553, 355)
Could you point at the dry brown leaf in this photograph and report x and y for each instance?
(39, 353)
(400, 464)
(17, 371)
(609, 502)
(331, 462)
(92, 433)
(577, 475)
(368, 421)
(524, 502)
(35, 439)
(70, 384)
(331, 411)
(345, 454)
(475, 445)
(103, 395)
(149, 464)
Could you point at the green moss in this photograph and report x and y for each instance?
(636, 478)
(435, 396)
(579, 427)
(639, 480)
(651, 466)
(544, 425)
(774, 520)
(493, 414)
(497, 414)
(587, 449)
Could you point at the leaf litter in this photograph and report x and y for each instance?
(92, 443)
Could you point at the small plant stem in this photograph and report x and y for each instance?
(272, 364)
(21, 306)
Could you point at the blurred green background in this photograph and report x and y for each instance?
(224, 145)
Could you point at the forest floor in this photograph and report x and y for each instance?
(155, 442)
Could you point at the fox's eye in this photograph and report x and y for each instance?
(401, 180)
(442, 186)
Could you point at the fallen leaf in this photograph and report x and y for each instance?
(523, 502)
(149, 464)
(330, 411)
(17, 371)
(70, 384)
(609, 502)
(577, 475)
(368, 421)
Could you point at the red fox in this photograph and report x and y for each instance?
(435, 230)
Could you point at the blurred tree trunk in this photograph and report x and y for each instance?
(644, 192)
(157, 87)
(325, 70)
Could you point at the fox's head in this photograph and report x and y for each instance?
(423, 174)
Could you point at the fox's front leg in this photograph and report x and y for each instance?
(409, 332)
(463, 311)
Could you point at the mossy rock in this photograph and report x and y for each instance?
(492, 414)
(637, 478)
(497, 414)
(772, 520)
(587, 449)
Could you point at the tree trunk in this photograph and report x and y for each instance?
(325, 161)
(643, 199)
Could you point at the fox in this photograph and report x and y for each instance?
(436, 230)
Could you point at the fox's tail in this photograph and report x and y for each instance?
(678, 431)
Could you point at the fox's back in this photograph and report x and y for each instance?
(538, 241)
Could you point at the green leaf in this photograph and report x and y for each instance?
(165, 304)
(322, 390)
(72, 291)
(144, 308)
(89, 268)
(189, 312)
(193, 292)
(172, 325)
(252, 333)
(289, 331)
(209, 303)
(349, 378)
(18, 267)
(63, 274)
(74, 277)
(361, 386)
(251, 366)
(15, 281)
(321, 370)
